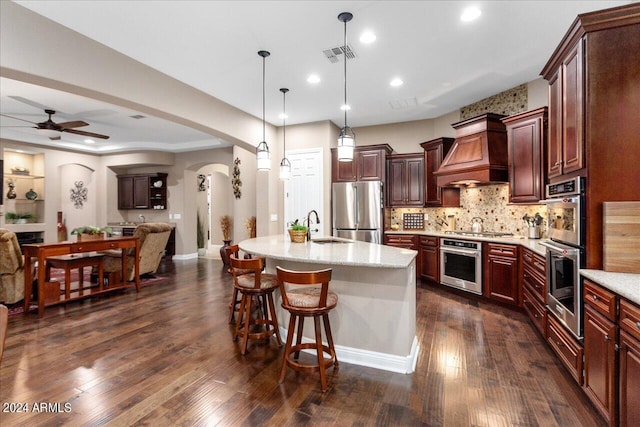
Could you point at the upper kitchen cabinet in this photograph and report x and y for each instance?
(368, 164)
(142, 191)
(434, 151)
(405, 180)
(526, 135)
(593, 112)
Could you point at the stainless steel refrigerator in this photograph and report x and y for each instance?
(357, 210)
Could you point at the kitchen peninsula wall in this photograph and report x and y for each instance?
(489, 202)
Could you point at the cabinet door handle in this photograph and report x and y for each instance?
(595, 297)
(606, 338)
(638, 325)
(557, 163)
(616, 347)
(559, 343)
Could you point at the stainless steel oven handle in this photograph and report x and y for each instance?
(460, 251)
(561, 249)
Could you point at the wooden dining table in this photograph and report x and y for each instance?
(40, 251)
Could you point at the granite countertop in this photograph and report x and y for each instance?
(532, 244)
(351, 253)
(626, 285)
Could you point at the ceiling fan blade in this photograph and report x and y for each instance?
(81, 132)
(70, 125)
(18, 118)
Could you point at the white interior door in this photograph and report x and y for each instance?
(303, 191)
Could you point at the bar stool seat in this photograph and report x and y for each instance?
(259, 286)
(302, 302)
(234, 250)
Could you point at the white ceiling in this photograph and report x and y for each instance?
(212, 45)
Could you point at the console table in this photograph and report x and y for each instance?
(41, 251)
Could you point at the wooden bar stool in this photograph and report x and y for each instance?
(304, 302)
(260, 286)
(234, 250)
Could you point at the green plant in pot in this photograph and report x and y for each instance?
(298, 232)
(18, 218)
(90, 232)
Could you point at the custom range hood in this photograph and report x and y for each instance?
(479, 153)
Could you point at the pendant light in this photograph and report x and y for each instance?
(347, 138)
(285, 165)
(263, 156)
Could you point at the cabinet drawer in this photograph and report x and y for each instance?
(535, 261)
(399, 238)
(600, 299)
(535, 310)
(566, 347)
(503, 250)
(630, 318)
(428, 241)
(537, 286)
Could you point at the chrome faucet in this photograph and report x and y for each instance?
(313, 211)
(141, 218)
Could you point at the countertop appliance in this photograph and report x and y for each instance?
(461, 264)
(357, 210)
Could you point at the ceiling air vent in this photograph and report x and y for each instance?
(332, 54)
(138, 116)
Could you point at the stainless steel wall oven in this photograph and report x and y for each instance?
(461, 265)
(566, 252)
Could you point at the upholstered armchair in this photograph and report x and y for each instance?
(153, 240)
(11, 268)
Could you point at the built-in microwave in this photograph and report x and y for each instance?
(565, 212)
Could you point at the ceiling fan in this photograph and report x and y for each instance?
(49, 127)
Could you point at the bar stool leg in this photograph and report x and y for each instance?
(232, 304)
(287, 346)
(319, 350)
(299, 335)
(327, 331)
(274, 319)
(246, 324)
(240, 316)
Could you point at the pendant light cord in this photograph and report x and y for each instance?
(263, 95)
(344, 47)
(284, 124)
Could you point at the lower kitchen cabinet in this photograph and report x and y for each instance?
(600, 362)
(566, 347)
(405, 241)
(429, 258)
(501, 273)
(629, 377)
(534, 289)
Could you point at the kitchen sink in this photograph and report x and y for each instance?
(325, 240)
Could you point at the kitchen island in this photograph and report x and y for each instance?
(374, 323)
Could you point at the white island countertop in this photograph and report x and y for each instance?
(348, 253)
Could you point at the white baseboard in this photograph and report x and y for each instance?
(182, 257)
(373, 359)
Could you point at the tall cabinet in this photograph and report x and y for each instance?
(594, 129)
(434, 152)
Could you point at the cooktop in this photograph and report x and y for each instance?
(477, 234)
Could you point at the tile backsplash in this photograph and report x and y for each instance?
(489, 202)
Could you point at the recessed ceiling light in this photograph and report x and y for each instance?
(367, 37)
(470, 13)
(345, 108)
(396, 82)
(89, 141)
(313, 79)
(283, 116)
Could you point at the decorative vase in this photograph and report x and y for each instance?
(223, 252)
(62, 229)
(31, 195)
(298, 236)
(11, 194)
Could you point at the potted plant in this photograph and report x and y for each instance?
(533, 222)
(90, 232)
(18, 218)
(298, 232)
(225, 226)
(200, 236)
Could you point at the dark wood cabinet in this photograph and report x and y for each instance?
(404, 241)
(405, 180)
(142, 191)
(534, 289)
(593, 114)
(429, 258)
(600, 362)
(629, 377)
(368, 164)
(526, 136)
(567, 348)
(434, 151)
(501, 273)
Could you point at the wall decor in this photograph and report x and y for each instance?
(78, 194)
(11, 194)
(235, 181)
(31, 195)
(202, 182)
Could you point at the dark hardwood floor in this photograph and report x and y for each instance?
(165, 357)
